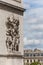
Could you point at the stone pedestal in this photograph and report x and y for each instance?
(11, 32)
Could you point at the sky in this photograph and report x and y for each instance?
(33, 24)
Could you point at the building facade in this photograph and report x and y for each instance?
(31, 56)
(11, 32)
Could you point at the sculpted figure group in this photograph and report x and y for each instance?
(12, 33)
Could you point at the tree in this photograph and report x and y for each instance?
(35, 63)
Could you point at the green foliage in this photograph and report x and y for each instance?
(35, 63)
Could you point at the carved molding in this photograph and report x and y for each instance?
(12, 56)
(12, 6)
(17, 1)
(12, 33)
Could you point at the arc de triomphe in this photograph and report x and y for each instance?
(11, 32)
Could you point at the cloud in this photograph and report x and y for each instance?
(31, 41)
(33, 24)
(39, 26)
(32, 20)
(36, 11)
(39, 2)
(26, 6)
(25, 41)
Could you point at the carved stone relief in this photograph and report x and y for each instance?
(12, 33)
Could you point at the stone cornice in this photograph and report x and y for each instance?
(38, 57)
(12, 6)
(11, 56)
(17, 1)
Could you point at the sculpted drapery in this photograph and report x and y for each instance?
(12, 33)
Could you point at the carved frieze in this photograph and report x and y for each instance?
(12, 34)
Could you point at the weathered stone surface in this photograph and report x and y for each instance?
(6, 57)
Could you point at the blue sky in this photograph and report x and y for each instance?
(33, 24)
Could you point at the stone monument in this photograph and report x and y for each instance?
(11, 32)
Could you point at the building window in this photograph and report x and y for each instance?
(38, 60)
(31, 61)
(34, 55)
(38, 54)
(41, 54)
(30, 54)
(26, 54)
(27, 61)
(34, 60)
